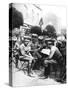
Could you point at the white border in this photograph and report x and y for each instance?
(4, 42)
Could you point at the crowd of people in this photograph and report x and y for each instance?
(41, 51)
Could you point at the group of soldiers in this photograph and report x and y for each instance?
(42, 52)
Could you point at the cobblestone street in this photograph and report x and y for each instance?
(20, 79)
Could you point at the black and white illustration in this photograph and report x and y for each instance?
(37, 44)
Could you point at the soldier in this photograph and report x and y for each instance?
(34, 50)
(56, 55)
(25, 49)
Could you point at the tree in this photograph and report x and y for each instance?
(36, 30)
(15, 18)
(51, 32)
